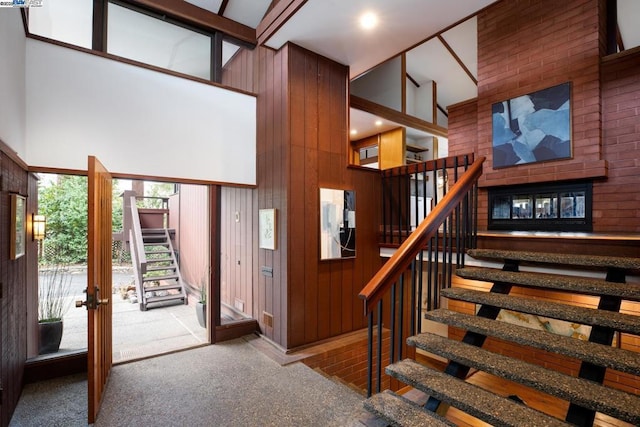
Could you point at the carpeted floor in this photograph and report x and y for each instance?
(227, 384)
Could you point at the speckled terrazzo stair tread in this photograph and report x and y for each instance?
(482, 404)
(576, 284)
(585, 316)
(564, 259)
(399, 411)
(588, 394)
(598, 354)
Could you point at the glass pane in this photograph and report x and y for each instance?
(228, 51)
(572, 204)
(501, 207)
(522, 207)
(68, 21)
(546, 206)
(142, 38)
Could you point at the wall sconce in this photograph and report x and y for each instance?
(39, 226)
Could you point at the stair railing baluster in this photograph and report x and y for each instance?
(420, 286)
(369, 353)
(392, 326)
(412, 303)
(400, 340)
(379, 364)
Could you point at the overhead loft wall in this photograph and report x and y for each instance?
(137, 121)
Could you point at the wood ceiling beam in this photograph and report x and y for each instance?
(277, 15)
(396, 116)
(187, 12)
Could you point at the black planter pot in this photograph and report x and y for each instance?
(50, 337)
(201, 313)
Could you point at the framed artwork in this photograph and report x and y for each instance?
(337, 224)
(532, 128)
(18, 238)
(267, 229)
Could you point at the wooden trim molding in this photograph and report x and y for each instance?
(190, 13)
(276, 18)
(457, 58)
(396, 116)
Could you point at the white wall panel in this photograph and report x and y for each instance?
(136, 121)
(12, 80)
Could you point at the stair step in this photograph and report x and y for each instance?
(161, 268)
(402, 412)
(581, 285)
(148, 231)
(165, 298)
(158, 252)
(154, 260)
(598, 354)
(563, 259)
(585, 316)
(163, 287)
(484, 405)
(588, 394)
(159, 278)
(164, 244)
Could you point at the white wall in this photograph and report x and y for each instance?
(136, 121)
(382, 85)
(12, 80)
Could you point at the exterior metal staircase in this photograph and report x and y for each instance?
(161, 281)
(586, 392)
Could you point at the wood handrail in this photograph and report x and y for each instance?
(381, 282)
(138, 243)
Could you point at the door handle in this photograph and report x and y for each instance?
(93, 301)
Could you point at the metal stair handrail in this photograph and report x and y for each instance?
(383, 280)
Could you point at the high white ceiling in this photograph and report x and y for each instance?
(436, 49)
(331, 27)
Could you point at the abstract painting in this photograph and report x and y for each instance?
(532, 128)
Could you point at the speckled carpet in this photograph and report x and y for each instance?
(227, 384)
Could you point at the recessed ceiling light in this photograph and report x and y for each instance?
(368, 20)
(354, 131)
(378, 122)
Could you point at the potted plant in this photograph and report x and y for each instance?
(54, 290)
(201, 306)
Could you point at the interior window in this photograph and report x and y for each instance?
(146, 39)
(68, 21)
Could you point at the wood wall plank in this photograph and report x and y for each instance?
(302, 144)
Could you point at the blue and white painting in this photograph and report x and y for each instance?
(532, 128)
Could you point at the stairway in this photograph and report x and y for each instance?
(585, 392)
(161, 282)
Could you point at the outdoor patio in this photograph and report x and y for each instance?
(136, 334)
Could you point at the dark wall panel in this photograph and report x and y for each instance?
(13, 280)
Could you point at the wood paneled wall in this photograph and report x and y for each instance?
(302, 146)
(192, 240)
(14, 284)
(237, 248)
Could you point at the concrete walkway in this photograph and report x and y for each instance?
(136, 334)
(227, 384)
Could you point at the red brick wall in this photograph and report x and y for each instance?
(524, 46)
(348, 361)
(616, 205)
